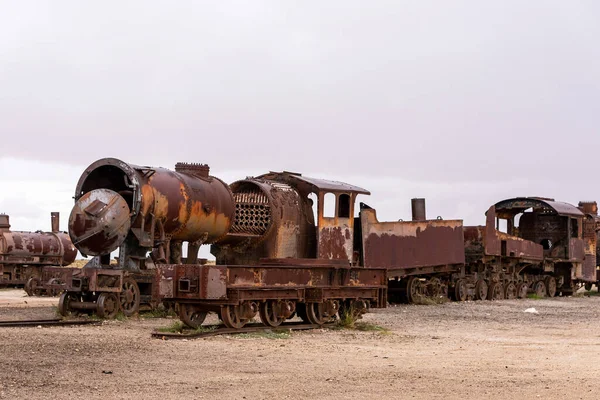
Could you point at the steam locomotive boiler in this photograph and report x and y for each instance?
(23, 255)
(271, 257)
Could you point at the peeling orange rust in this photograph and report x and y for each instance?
(410, 244)
(158, 207)
(24, 254)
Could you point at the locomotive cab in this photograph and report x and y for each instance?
(544, 233)
(537, 227)
(335, 222)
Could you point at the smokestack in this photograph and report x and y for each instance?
(55, 221)
(4, 223)
(418, 209)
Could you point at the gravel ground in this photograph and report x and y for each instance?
(482, 349)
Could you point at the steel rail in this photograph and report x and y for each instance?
(45, 322)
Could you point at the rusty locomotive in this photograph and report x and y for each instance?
(29, 258)
(528, 245)
(272, 259)
(278, 257)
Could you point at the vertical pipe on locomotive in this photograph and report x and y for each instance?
(418, 209)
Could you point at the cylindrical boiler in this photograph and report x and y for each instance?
(114, 197)
(34, 248)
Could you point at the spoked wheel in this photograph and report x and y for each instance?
(319, 314)
(510, 291)
(413, 290)
(550, 283)
(481, 289)
(460, 290)
(269, 313)
(64, 303)
(28, 287)
(588, 286)
(540, 288)
(31, 287)
(107, 305)
(130, 297)
(522, 289)
(231, 316)
(495, 291)
(191, 315)
(53, 292)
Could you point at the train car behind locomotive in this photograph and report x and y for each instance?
(531, 244)
(23, 255)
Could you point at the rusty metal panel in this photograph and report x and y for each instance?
(502, 244)
(512, 246)
(335, 241)
(102, 280)
(280, 276)
(191, 281)
(491, 241)
(209, 282)
(590, 243)
(398, 245)
(576, 250)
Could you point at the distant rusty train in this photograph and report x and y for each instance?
(26, 256)
(278, 258)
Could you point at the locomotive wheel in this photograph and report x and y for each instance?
(130, 297)
(413, 290)
(460, 290)
(481, 290)
(31, 287)
(191, 315)
(522, 289)
(495, 291)
(353, 309)
(550, 284)
(588, 286)
(540, 288)
(230, 315)
(64, 303)
(53, 292)
(268, 313)
(316, 313)
(510, 291)
(107, 305)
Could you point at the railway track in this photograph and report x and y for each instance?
(216, 330)
(45, 322)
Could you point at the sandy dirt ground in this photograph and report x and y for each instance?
(474, 350)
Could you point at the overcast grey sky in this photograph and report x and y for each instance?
(463, 102)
